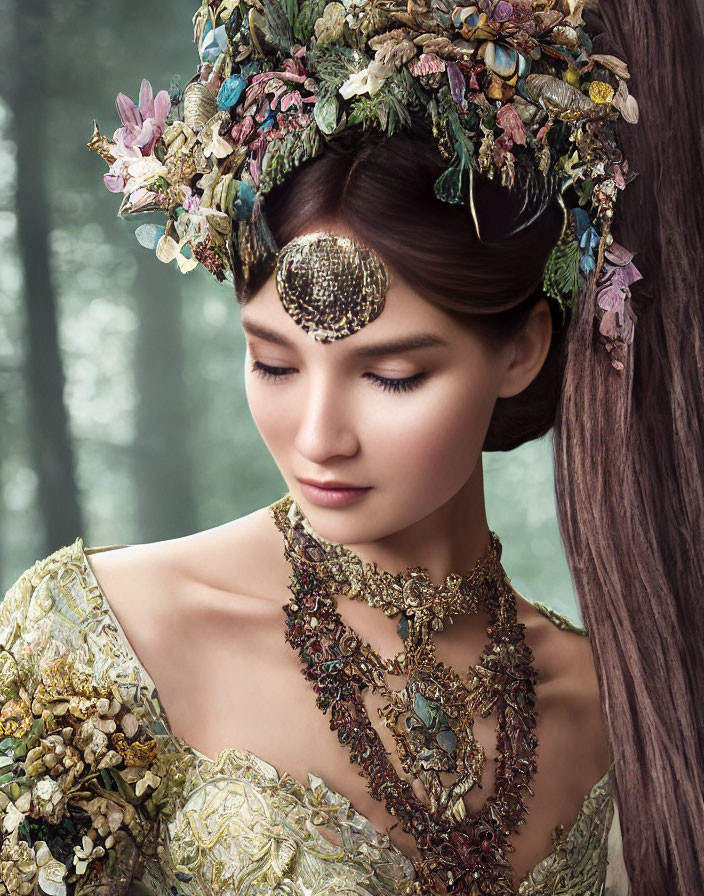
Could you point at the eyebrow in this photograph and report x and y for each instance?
(392, 347)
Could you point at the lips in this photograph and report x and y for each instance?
(334, 483)
(332, 493)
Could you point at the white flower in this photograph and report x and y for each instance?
(143, 170)
(168, 249)
(129, 721)
(213, 143)
(92, 741)
(148, 780)
(12, 820)
(84, 855)
(48, 798)
(575, 17)
(366, 81)
(51, 872)
(24, 802)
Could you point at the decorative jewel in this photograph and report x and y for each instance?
(330, 285)
(431, 717)
(100, 144)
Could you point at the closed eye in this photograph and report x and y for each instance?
(406, 384)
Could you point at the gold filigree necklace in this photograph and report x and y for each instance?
(431, 718)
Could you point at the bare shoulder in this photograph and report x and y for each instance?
(162, 591)
(237, 557)
(568, 697)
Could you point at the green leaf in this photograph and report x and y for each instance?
(290, 7)
(562, 275)
(448, 186)
(585, 192)
(459, 137)
(310, 11)
(326, 113)
(123, 788)
(333, 65)
(279, 29)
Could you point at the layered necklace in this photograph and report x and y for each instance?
(431, 718)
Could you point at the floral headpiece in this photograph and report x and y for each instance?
(511, 89)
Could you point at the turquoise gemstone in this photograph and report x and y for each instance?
(447, 741)
(244, 204)
(422, 708)
(230, 92)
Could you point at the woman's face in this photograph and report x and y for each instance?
(400, 408)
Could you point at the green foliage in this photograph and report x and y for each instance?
(415, 98)
(449, 186)
(385, 110)
(452, 124)
(290, 8)
(285, 154)
(279, 28)
(561, 279)
(334, 64)
(308, 13)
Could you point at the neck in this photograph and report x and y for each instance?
(449, 540)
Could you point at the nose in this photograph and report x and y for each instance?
(325, 429)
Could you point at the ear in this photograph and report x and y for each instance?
(528, 350)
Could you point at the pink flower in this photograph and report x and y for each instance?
(127, 173)
(458, 84)
(191, 201)
(114, 182)
(617, 319)
(503, 11)
(143, 124)
(617, 275)
(510, 121)
(290, 99)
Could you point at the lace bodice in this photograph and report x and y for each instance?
(233, 825)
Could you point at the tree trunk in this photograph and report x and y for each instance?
(48, 424)
(163, 468)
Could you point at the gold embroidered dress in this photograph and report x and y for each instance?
(167, 820)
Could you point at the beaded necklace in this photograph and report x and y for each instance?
(430, 718)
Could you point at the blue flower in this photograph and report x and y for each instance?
(214, 43)
(230, 92)
(244, 204)
(148, 235)
(268, 122)
(588, 240)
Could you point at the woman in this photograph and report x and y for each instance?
(158, 735)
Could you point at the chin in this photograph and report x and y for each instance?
(348, 525)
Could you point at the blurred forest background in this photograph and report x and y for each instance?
(123, 412)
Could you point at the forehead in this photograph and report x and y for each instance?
(405, 312)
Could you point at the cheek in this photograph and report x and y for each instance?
(274, 419)
(431, 438)
(439, 435)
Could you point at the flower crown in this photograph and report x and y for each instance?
(511, 90)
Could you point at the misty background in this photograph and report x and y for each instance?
(124, 418)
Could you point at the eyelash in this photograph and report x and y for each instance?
(388, 385)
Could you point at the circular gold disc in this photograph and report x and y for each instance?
(330, 285)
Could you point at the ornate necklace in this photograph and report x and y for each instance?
(431, 718)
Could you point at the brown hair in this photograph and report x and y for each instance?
(628, 446)
(629, 460)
